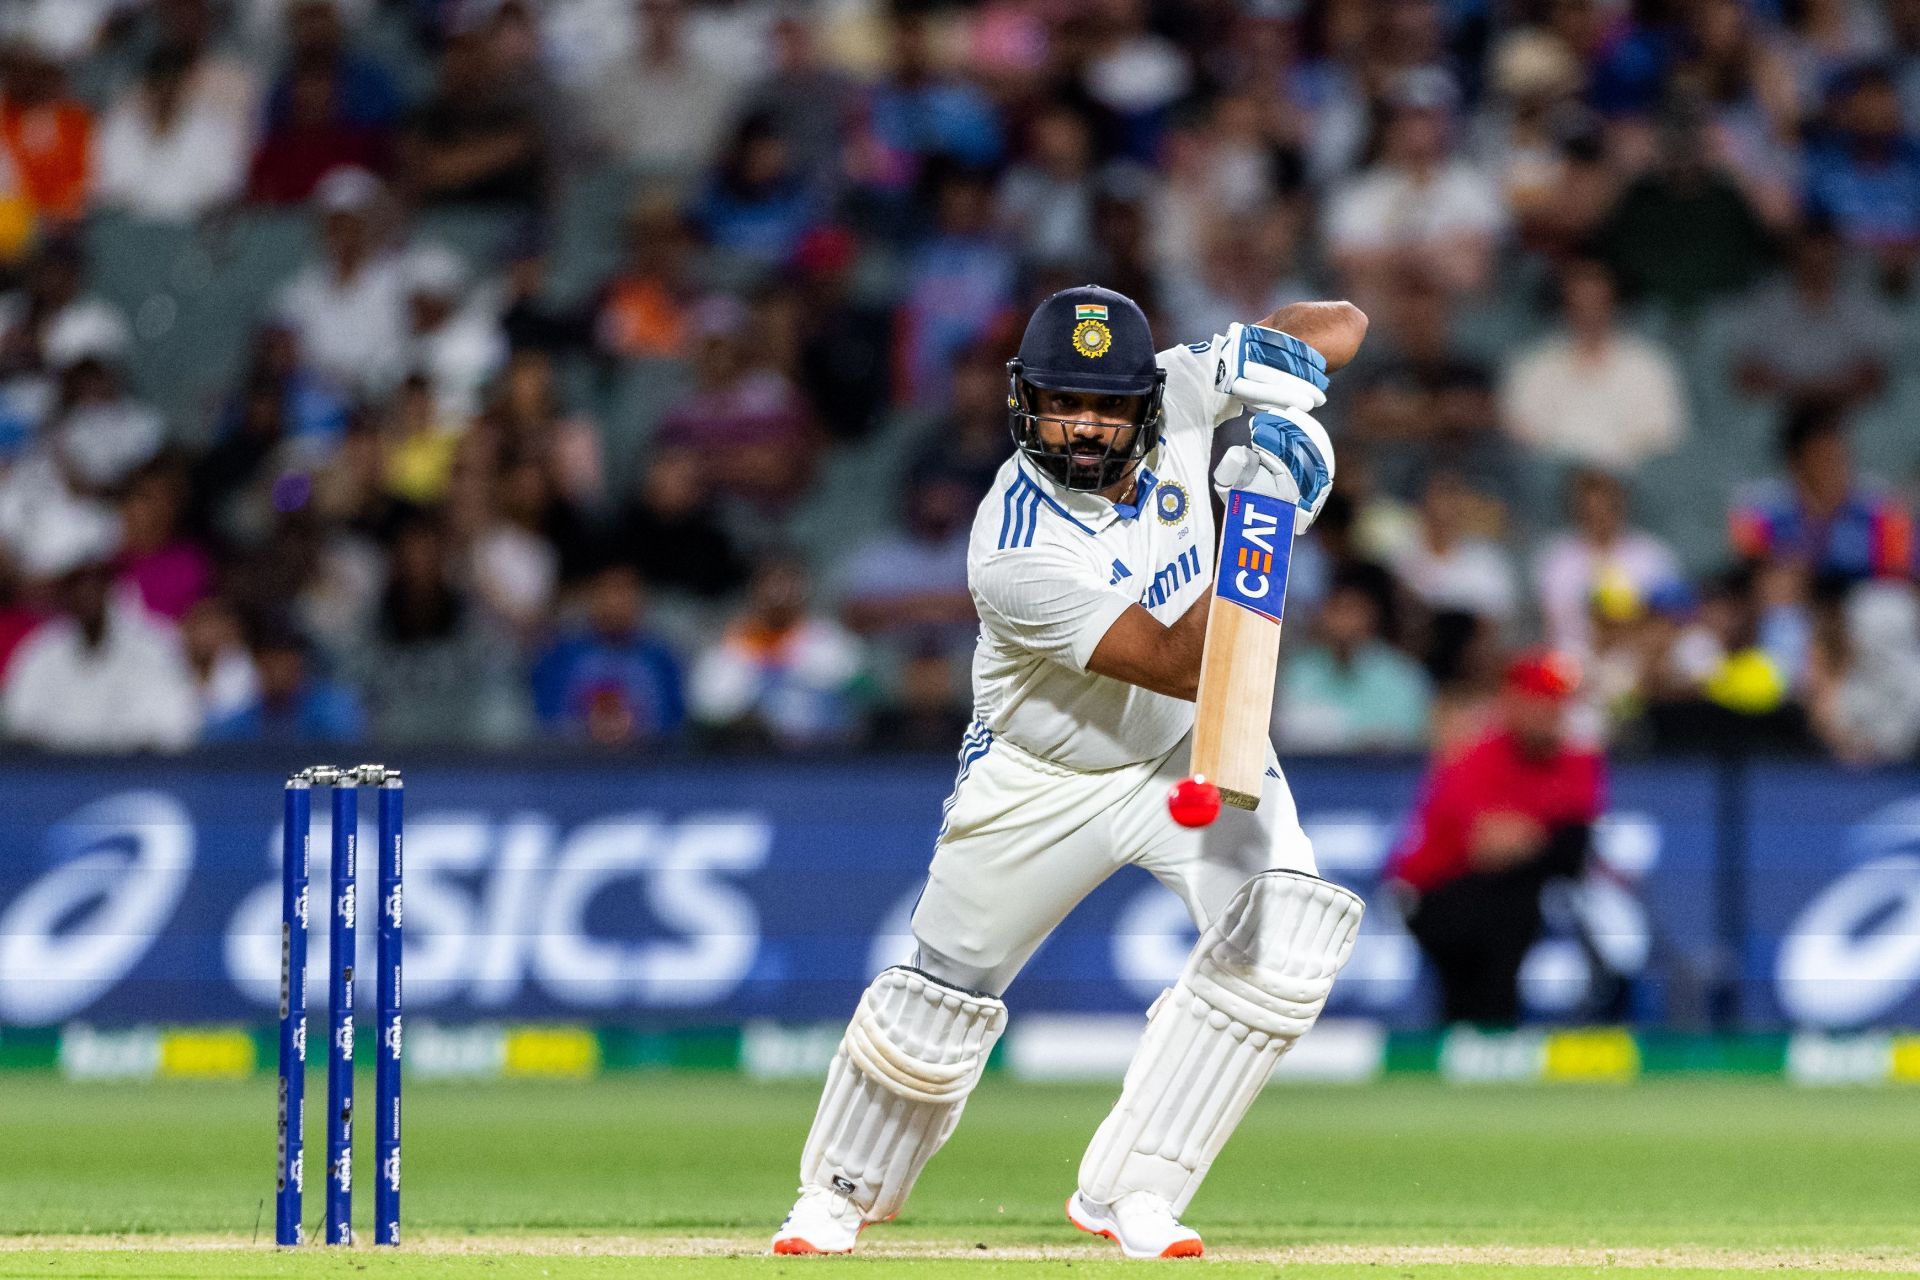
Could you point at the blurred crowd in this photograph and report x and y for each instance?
(407, 517)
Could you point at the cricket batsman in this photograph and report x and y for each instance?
(1091, 566)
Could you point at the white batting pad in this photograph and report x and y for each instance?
(1253, 985)
(913, 1052)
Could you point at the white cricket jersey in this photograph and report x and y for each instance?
(1051, 569)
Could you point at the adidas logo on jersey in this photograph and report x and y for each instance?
(1119, 571)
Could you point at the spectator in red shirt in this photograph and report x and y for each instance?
(332, 107)
(1495, 824)
(169, 571)
(312, 137)
(20, 615)
(47, 133)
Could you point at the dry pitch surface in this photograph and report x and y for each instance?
(685, 1176)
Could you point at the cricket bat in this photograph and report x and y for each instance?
(1241, 659)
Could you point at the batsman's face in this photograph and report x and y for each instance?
(1086, 427)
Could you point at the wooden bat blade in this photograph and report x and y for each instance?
(1235, 702)
(1240, 663)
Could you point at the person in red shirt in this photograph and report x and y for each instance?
(313, 137)
(47, 134)
(1494, 824)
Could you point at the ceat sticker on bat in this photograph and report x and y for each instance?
(1255, 547)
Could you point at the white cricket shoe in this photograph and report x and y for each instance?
(1140, 1222)
(821, 1221)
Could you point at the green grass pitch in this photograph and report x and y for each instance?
(687, 1175)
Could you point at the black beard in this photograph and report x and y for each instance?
(1084, 476)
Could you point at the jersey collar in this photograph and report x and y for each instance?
(1142, 494)
(1090, 510)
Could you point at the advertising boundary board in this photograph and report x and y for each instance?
(593, 892)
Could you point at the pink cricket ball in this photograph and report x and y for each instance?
(1194, 802)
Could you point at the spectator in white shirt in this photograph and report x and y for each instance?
(1132, 71)
(1451, 566)
(101, 432)
(1816, 335)
(226, 682)
(47, 516)
(218, 80)
(48, 322)
(164, 154)
(1863, 690)
(1465, 581)
(63, 29)
(511, 565)
(454, 334)
(1599, 555)
(1421, 207)
(47, 325)
(349, 309)
(1594, 394)
(666, 108)
(582, 38)
(780, 672)
(102, 678)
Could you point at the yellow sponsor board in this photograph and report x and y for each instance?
(567, 1052)
(206, 1055)
(1598, 1054)
(1905, 1066)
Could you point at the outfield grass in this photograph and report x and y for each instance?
(1730, 1177)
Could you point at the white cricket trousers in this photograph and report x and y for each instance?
(1026, 839)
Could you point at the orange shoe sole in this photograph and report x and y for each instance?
(794, 1246)
(1178, 1249)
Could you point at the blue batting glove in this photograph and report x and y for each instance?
(1290, 458)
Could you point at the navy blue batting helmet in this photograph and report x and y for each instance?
(1096, 342)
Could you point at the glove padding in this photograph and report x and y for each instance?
(1290, 458)
(1266, 369)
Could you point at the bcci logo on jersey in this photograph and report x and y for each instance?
(1170, 502)
(1254, 549)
